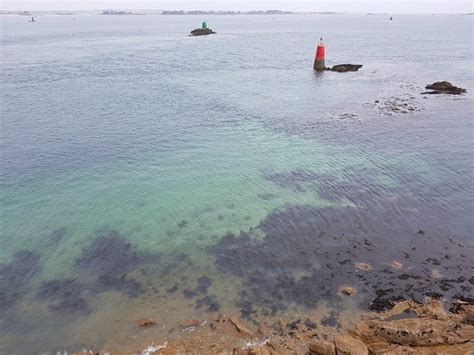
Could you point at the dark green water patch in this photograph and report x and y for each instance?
(65, 296)
(308, 253)
(15, 277)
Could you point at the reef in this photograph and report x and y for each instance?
(308, 253)
(444, 87)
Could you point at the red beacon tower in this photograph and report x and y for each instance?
(319, 61)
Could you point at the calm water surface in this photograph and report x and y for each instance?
(145, 173)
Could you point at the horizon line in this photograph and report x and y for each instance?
(295, 12)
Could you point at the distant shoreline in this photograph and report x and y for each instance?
(131, 12)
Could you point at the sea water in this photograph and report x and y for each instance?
(145, 173)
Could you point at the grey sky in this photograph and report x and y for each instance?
(399, 6)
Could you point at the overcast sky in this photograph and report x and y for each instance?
(398, 6)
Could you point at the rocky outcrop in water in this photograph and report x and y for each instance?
(343, 68)
(444, 87)
(202, 32)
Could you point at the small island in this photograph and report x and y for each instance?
(203, 31)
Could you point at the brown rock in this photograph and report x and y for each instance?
(423, 332)
(261, 350)
(222, 318)
(190, 323)
(396, 265)
(279, 326)
(319, 347)
(263, 329)
(348, 291)
(145, 322)
(384, 348)
(240, 327)
(364, 267)
(348, 345)
(435, 274)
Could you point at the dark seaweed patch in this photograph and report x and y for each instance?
(15, 276)
(127, 286)
(189, 293)
(310, 324)
(331, 320)
(58, 289)
(172, 289)
(307, 253)
(68, 295)
(203, 283)
(210, 301)
(384, 300)
(110, 257)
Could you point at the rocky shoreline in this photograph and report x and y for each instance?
(407, 328)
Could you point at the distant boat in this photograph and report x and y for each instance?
(391, 18)
(32, 19)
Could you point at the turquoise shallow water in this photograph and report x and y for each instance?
(129, 152)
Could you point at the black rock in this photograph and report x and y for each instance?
(444, 87)
(343, 68)
(202, 32)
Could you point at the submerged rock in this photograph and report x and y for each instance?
(145, 322)
(202, 32)
(190, 323)
(396, 265)
(241, 328)
(364, 267)
(444, 87)
(348, 291)
(343, 68)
